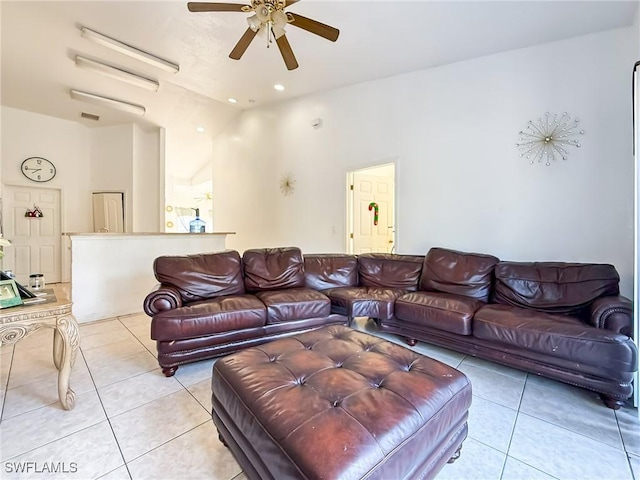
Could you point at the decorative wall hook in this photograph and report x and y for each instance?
(374, 206)
(35, 213)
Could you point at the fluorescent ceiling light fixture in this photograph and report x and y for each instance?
(133, 52)
(108, 102)
(117, 73)
(279, 87)
(232, 100)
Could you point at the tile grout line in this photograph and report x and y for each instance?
(164, 443)
(513, 429)
(6, 385)
(239, 475)
(135, 336)
(158, 446)
(624, 446)
(194, 397)
(32, 410)
(44, 406)
(106, 415)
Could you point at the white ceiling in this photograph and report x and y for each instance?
(377, 39)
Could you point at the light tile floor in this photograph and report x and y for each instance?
(130, 422)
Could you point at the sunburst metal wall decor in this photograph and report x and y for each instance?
(287, 184)
(549, 137)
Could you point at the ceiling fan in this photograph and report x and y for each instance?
(269, 17)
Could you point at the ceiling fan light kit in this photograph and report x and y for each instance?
(130, 51)
(117, 73)
(108, 102)
(268, 17)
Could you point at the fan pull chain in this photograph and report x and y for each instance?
(269, 33)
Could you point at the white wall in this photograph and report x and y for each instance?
(460, 181)
(245, 182)
(112, 160)
(636, 29)
(146, 181)
(86, 160)
(65, 143)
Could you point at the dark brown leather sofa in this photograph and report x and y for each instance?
(565, 321)
(213, 304)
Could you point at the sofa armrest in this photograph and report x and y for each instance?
(161, 298)
(612, 313)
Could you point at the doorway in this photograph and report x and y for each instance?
(108, 212)
(35, 239)
(371, 226)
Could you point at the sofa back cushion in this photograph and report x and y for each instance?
(389, 271)
(201, 276)
(330, 270)
(459, 273)
(554, 287)
(273, 268)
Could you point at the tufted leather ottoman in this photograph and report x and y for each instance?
(337, 403)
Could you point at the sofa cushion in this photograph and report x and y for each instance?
(331, 270)
(389, 271)
(294, 304)
(559, 336)
(273, 268)
(201, 276)
(460, 273)
(553, 287)
(444, 311)
(216, 315)
(364, 301)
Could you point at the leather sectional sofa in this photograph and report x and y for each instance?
(565, 321)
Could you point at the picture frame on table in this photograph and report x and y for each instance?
(9, 294)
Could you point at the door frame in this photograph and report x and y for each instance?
(349, 204)
(64, 254)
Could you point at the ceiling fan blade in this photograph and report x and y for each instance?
(287, 54)
(242, 44)
(214, 7)
(290, 2)
(314, 26)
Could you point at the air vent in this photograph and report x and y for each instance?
(90, 116)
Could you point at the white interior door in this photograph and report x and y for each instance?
(35, 241)
(367, 236)
(108, 212)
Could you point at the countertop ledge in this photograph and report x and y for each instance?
(134, 234)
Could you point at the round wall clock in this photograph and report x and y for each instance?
(38, 169)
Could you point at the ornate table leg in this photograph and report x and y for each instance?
(57, 348)
(65, 347)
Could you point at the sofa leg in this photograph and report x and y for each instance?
(455, 455)
(221, 438)
(410, 341)
(169, 371)
(613, 403)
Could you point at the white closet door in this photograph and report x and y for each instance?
(108, 212)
